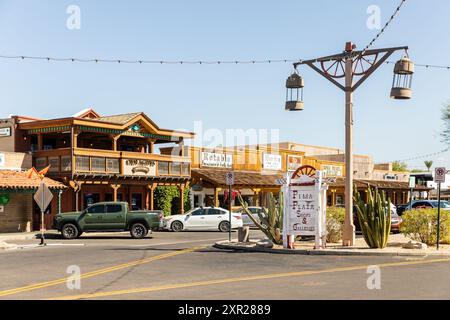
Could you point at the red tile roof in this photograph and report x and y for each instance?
(19, 180)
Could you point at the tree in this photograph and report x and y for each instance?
(398, 166)
(428, 164)
(446, 119)
(167, 198)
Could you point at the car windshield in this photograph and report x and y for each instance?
(445, 204)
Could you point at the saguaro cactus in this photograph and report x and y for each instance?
(374, 217)
(271, 223)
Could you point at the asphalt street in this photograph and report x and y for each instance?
(184, 265)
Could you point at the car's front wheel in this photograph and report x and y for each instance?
(70, 231)
(138, 231)
(176, 226)
(224, 226)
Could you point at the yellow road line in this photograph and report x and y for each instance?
(96, 272)
(240, 279)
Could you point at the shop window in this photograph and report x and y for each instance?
(66, 163)
(112, 165)
(82, 164)
(40, 163)
(163, 168)
(175, 168)
(54, 164)
(136, 201)
(98, 164)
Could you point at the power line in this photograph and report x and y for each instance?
(424, 156)
(397, 10)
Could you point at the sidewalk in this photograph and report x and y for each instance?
(395, 248)
(25, 235)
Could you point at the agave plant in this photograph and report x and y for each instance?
(271, 222)
(374, 217)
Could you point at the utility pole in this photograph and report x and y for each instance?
(349, 65)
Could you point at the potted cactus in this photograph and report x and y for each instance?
(374, 217)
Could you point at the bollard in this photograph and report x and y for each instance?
(244, 234)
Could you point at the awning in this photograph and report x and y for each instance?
(385, 185)
(15, 180)
(242, 178)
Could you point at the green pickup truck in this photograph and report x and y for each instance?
(108, 217)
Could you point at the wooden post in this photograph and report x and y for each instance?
(115, 188)
(181, 188)
(256, 193)
(150, 201)
(216, 196)
(40, 137)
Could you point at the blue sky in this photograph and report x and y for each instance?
(228, 96)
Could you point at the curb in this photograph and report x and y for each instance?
(327, 252)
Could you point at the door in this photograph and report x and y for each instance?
(93, 217)
(196, 219)
(136, 201)
(214, 217)
(115, 217)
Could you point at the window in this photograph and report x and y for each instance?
(175, 168)
(98, 164)
(66, 163)
(113, 208)
(100, 208)
(215, 212)
(112, 165)
(198, 212)
(82, 163)
(40, 163)
(163, 168)
(185, 168)
(54, 164)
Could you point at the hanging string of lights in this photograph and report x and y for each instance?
(397, 10)
(426, 156)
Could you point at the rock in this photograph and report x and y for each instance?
(266, 243)
(415, 245)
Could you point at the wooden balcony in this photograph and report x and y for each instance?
(111, 163)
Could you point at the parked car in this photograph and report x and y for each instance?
(108, 217)
(203, 219)
(396, 220)
(423, 204)
(256, 211)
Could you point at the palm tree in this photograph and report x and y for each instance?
(428, 164)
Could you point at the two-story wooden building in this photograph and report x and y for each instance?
(104, 158)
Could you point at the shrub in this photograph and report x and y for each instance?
(421, 225)
(167, 198)
(335, 223)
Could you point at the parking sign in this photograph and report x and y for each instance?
(230, 178)
(440, 175)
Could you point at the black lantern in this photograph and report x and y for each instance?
(401, 86)
(294, 92)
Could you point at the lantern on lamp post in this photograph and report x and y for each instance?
(294, 92)
(401, 85)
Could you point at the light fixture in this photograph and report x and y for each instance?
(294, 92)
(401, 85)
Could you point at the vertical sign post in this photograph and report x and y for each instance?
(439, 177)
(230, 183)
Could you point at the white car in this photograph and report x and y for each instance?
(203, 219)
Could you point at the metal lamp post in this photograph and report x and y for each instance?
(354, 67)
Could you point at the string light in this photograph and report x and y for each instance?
(423, 156)
(397, 10)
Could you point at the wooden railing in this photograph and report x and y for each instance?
(108, 162)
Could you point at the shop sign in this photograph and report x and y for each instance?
(217, 160)
(332, 171)
(271, 161)
(5, 132)
(139, 167)
(2, 159)
(294, 162)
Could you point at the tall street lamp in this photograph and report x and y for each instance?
(353, 67)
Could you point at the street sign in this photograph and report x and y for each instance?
(230, 178)
(43, 196)
(412, 182)
(440, 175)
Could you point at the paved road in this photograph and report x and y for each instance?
(185, 266)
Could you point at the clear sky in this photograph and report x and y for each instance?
(229, 96)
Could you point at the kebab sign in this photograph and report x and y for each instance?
(305, 207)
